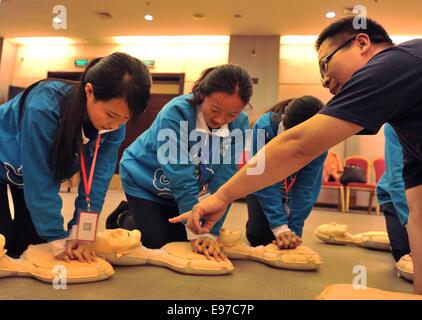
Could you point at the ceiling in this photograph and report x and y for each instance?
(30, 18)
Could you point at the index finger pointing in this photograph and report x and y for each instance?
(194, 222)
(180, 218)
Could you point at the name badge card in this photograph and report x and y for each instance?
(87, 226)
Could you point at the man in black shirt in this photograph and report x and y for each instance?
(373, 82)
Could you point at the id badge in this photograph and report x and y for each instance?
(87, 226)
(287, 209)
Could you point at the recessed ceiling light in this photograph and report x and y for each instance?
(103, 15)
(198, 16)
(330, 15)
(149, 17)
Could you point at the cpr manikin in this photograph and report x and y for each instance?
(122, 247)
(301, 258)
(38, 262)
(348, 292)
(334, 233)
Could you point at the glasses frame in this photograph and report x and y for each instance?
(323, 63)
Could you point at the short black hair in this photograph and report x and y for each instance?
(345, 26)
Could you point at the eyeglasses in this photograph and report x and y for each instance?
(217, 110)
(323, 63)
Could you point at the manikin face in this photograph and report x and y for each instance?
(106, 115)
(345, 62)
(117, 241)
(220, 108)
(333, 229)
(229, 238)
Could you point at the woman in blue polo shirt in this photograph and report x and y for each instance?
(179, 158)
(46, 131)
(278, 212)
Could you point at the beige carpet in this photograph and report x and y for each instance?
(251, 280)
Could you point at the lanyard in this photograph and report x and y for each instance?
(88, 183)
(287, 186)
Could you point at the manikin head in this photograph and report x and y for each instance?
(117, 241)
(229, 238)
(333, 229)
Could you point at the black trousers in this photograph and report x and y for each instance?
(397, 233)
(151, 218)
(258, 229)
(19, 231)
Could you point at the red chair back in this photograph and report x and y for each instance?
(379, 167)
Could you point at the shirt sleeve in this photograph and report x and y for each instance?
(182, 176)
(41, 191)
(384, 89)
(269, 198)
(305, 192)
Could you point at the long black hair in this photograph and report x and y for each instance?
(227, 78)
(118, 75)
